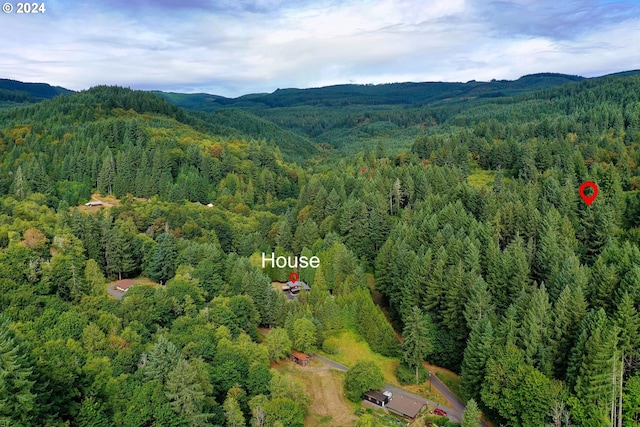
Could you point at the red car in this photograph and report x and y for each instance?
(439, 412)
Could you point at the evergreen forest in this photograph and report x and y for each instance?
(446, 215)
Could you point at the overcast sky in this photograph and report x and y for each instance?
(234, 47)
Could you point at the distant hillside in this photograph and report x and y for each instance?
(624, 73)
(120, 141)
(407, 94)
(37, 91)
(357, 118)
(237, 124)
(195, 101)
(243, 124)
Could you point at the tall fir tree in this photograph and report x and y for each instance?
(163, 258)
(590, 373)
(416, 345)
(185, 393)
(17, 397)
(162, 359)
(476, 355)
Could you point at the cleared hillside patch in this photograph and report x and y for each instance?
(351, 347)
(324, 385)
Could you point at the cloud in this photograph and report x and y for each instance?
(236, 47)
(551, 18)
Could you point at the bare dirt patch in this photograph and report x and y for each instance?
(107, 202)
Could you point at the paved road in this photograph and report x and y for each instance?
(336, 365)
(454, 412)
(457, 404)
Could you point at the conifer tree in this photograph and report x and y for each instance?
(162, 359)
(476, 355)
(333, 203)
(93, 277)
(306, 235)
(233, 413)
(142, 186)
(568, 312)
(604, 282)
(590, 370)
(118, 254)
(507, 329)
(534, 330)
(162, 262)
(184, 391)
(354, 225)
(17, 397)
(107, 173)
(597, 230)
(627, 320)
(631, 401)
(479, 303)
(416, 282)
(416, 343)
(471, 414)
(284, 238)
(569, 273)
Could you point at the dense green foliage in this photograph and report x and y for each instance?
(462, 219)
(362, 377)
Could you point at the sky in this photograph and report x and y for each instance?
(235, 47)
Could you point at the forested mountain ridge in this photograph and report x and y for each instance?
(475, 235)
(353, 118)
(64, 139)
(37, 90)
(405, 94)
(239, 124)
(13, 92)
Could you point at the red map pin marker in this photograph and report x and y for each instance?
(589, 199)
(293, 277)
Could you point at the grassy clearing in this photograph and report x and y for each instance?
(324, 386)
(480, 178)
(277, 286)
(140, 280)
(352, 347)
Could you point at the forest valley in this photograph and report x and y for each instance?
(464, 208)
